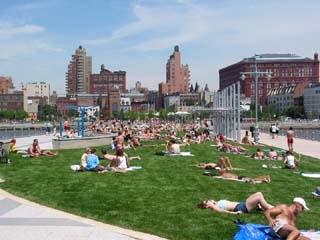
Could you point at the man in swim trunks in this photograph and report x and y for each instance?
(282, 219)
(290, 135)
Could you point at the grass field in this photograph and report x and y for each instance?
(160, 199)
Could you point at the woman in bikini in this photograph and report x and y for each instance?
(253, 202)
(222, 173)
(223, 163)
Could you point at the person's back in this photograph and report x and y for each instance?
(122, 162)
(272, 154)
(92, 161)
(175, 148)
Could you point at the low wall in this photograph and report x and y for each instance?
(70, 143)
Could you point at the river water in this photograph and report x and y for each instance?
(6, 134)
(308, 134)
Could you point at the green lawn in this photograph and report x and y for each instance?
(161, 198)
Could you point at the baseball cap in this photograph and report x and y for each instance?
(301, 201)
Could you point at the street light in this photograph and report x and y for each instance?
(256, 75)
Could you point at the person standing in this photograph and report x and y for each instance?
(290, 135)
(282, 219)
(273, 130)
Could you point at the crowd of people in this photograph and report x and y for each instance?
(174, 136)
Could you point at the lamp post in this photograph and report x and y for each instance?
(256, 75)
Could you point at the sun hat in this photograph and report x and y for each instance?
(301, 201)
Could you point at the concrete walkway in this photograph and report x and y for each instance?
(305, 147)
(21, 219)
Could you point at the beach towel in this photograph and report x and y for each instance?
(134, 168)
(309, 174)
(276, 150)
(262, 232)
(184, 154)
(234, 179)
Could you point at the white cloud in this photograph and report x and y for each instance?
(10, 50)
(10, 30)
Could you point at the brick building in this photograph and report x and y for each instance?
(285, 69)
(12, 101)
(105, 80)
(5, 84)
(177, 75)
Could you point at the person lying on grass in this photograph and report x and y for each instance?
(253, 202)
(228, 148)
(226, 175)
(223, 163)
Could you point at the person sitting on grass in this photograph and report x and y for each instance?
(83, 162)
(273, 154)
(290, 161)
(13, 146)
(119, 163)
(253, 202)
(259, 154)
(223, 163)
(222, 173)
(172, 147)
(3, 154)
(93, 163)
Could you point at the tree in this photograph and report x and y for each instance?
(163, 114)
(196, 88)
(21, 114)
(191, 88)
(295, 112)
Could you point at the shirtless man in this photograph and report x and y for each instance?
(119, 141)
(259, 154)
(282, 219)
(290, 135)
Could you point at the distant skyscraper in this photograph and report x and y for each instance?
(178, 75)
(79, 70)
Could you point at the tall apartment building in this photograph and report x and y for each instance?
(105, 80)
(5, 84)
(177, 75)
(35, 89)
(79, 70)
(285, 69)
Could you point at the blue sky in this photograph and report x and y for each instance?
(37, 38)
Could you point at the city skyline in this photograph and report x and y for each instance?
(36, 43)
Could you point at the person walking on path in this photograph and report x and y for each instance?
(290, 135)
